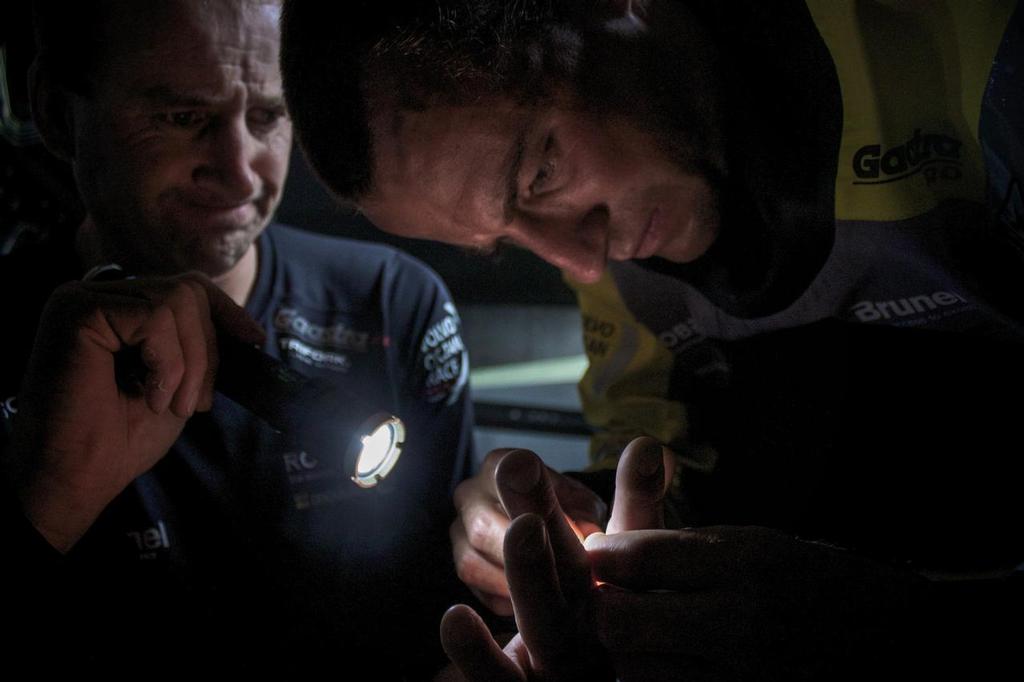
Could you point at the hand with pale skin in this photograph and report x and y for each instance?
(549, 574)
(478, 533)
(80, 435)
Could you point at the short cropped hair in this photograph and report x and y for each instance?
(344, 62)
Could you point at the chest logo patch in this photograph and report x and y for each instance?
(935, 155)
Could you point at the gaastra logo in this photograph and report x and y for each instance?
(872, 311)
(936, 155)
(336, 336)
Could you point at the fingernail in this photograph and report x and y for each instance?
(650, 459)
(593, 540)
(521, 471)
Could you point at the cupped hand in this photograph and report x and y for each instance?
(86, 427)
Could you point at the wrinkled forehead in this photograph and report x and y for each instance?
(189, 36)
(442, 173)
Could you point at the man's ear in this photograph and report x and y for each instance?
(51, 111)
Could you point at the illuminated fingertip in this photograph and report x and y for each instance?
(594, 540)
(575, 528)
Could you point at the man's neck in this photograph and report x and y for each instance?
(237, 283)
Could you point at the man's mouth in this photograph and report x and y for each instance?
(228, 215)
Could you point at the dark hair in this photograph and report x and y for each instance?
(344, 62)
(69, 39)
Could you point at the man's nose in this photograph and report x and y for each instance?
(225, 168)
(579, 246)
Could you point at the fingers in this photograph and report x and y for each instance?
(160, 352)
(468, 643)
(541, 611)
(481, 516)
(555, 625)
(175, 335)
(661, 559)
(484, 578)
(173, 323)
(478, 534)
(639, 487)
(525, 488)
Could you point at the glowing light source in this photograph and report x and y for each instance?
(381, 450)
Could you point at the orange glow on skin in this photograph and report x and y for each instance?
(579, 535)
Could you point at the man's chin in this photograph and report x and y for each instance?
(218, 260)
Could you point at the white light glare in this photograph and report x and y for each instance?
(380, 453)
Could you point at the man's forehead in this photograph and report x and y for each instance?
(194, 41)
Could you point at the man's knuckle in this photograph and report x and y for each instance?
(468, 570)
(480, 530)
(161, 315)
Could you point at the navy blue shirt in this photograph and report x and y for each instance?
(242, 549)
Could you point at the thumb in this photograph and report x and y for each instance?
(640, 483)
(470, 646)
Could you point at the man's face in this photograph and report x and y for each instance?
(181, 147)
(575, 186)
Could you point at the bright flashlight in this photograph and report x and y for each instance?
(380, 452)
(329, 421)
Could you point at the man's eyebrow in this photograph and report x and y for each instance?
(510, 174)
(269, 101)
(168, 96)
